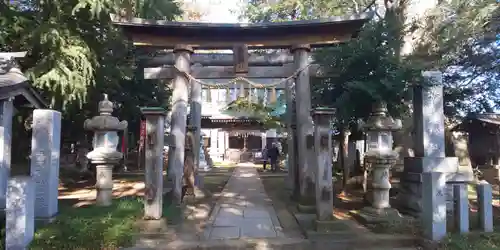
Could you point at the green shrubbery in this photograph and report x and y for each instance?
(91, 227)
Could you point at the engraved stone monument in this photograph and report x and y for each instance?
(20, 212)
(6, 111)
(429, 146)
(104, 154)
(324, 153)
(153, 202)
(45, 151)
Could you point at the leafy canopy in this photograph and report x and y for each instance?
(72, 45)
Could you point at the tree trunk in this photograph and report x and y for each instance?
(189, 168)
(344, 147)
(189, 162)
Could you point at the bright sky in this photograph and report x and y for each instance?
(219, 11)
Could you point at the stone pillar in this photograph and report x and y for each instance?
(263, 138)
(196, 119)
(303, 107)
(324, 153)
(485, 207)
(290, 117)
(203, 164)
(294, 159)
(155, 131)
(45, 151)
(20, 213)
(429, 146)
(179, 115)
(213, 142)
(104, 184)
(6, 111)
(434, 205)
(169, 180)
(461, 209)
(226, 139)
(220, 142)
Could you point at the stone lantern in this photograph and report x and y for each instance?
(381, 157)
(324, 154)
(104, 154)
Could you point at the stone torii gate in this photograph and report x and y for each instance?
(296, 36)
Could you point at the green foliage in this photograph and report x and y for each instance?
(457, 37)
(72, 45)
(476, 241)
(366, 70)
(75, 54)
(242, 107)
(272, 11)
(91, 227)
(156, 9)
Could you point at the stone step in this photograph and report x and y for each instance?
(261, 244)
(320, 245)
(345, 236)
(385, 248)
(368, 242)
(348, 234)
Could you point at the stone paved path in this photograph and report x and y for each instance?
(243, 218)
(243, 210)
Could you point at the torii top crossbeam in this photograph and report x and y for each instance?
(317, 33)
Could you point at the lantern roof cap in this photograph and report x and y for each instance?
(105, 121)
(380, 120)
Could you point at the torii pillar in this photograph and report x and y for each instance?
(303, 107)
(179, 115)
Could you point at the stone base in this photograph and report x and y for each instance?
(45, 221)
(371, 215)
(347, 234)
(307, 209)
(153, 226)
(410, 187)
(323, 230)
(333, 225)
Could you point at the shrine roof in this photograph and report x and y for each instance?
(317, 33)
(14, 84)
(243, 123)
(492, 119)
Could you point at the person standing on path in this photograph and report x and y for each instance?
(265, 157)
(273, 153)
